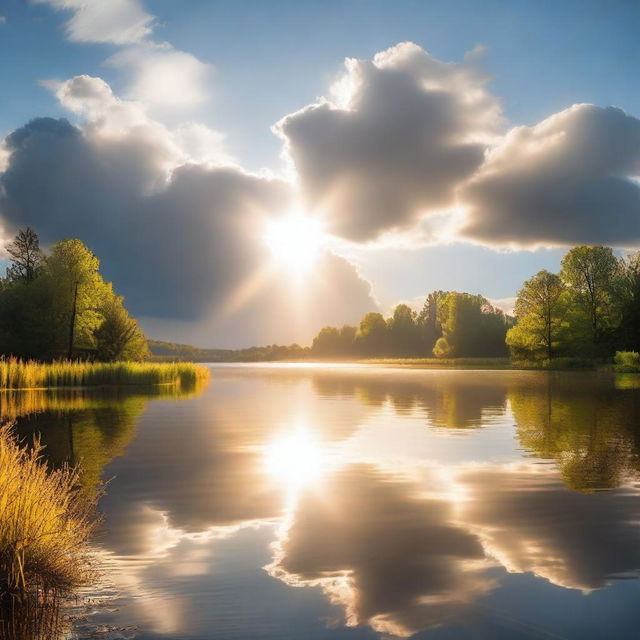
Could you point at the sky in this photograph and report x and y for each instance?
(249, 171)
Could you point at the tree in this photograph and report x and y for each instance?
(428, 321)
(372, 337)
(592, 276)
(25, 256)
(404, 336)
(471, 327)
(79, 294)
(331, 341)
(630, 307)
(119, 336)
(540, 310)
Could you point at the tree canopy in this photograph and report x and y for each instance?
(60, 306)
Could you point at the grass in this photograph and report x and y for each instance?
(45, 525)
(18, 374)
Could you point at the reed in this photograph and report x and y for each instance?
(45, 526)
(18, 374)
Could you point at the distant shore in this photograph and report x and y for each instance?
(557, 364)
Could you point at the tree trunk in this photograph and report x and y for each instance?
(72, 324)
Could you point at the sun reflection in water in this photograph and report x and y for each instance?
(295, 459)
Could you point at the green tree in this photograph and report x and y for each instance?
(327, 342)
(79, 294)
(630, 308)
(427, 321)
(592, 275)
(119, 336)
(373, 333)
(471, 327)
(404, 334)
(540, 310)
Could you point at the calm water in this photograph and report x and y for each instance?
(359, 503)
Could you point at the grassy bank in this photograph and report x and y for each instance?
(45, 525)
(16, 374)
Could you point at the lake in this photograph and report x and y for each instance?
(359, 502)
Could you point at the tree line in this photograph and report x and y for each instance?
(58, 305)
(591, 308)
(450, 325)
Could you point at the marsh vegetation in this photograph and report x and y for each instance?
(17, 374)
(45, 529)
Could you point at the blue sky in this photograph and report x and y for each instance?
(272, 57)
(255, 62)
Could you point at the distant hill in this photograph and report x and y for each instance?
(171, 351)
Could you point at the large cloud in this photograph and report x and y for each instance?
(400, 134)
(179, 239)
(567, 180)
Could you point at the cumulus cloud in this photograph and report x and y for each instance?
(115, 21)
(396, 138)
(178, 238)
(570, 179)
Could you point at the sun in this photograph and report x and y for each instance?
(295, 241)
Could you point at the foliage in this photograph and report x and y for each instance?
(540, 310)
(588, 311)
(172, 352)
(331, 341)
(592, 278)
(59, 306)
(25, 256)
(119, 336)
(629, 331)
(471, 327)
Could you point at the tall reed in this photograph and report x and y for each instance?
(45, 526)
(18, 374)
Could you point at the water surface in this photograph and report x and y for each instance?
(356, 502)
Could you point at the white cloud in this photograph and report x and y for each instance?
(399, 134)
(110, 117)
(162, 77)
(568, 180)
(3, 19)
(113, 21)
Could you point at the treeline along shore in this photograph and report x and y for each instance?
(586, 315)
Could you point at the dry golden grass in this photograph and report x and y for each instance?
(45, 524)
